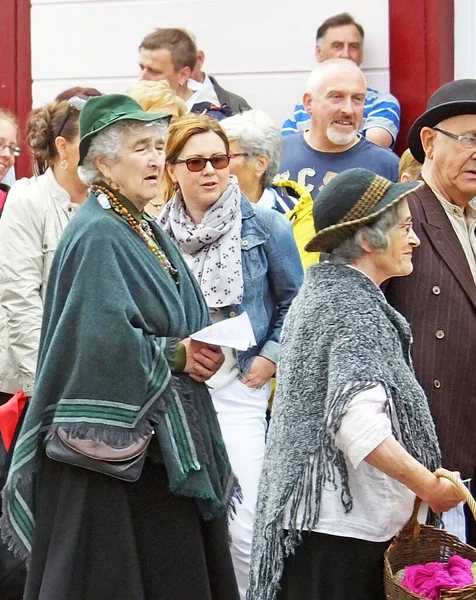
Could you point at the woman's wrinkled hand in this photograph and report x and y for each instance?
(203, 360)
(443, 496)
(259, 373)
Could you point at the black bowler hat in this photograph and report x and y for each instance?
(353, 199)
(450, 100)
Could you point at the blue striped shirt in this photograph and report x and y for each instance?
(380, 110)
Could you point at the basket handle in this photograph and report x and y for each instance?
(456, 480)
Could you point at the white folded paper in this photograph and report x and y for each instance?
(236, 332)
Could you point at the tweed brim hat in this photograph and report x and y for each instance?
(354, 198)
(100, 112)
(450, 100)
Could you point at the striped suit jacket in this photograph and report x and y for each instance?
(439, 301)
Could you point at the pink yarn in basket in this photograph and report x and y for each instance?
(430, 579)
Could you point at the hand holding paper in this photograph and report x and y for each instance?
(203, 360)
(234, 333)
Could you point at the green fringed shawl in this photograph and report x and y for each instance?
(112, 317)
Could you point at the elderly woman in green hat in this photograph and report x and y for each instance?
(352, 441)
(120, 483)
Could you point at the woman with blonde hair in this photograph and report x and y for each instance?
(157, 97)
(409, 169)
(244, 258)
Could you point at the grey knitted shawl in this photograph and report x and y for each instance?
(340, 330)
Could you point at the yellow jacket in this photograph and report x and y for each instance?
(301, 219)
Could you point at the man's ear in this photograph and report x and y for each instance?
(184, 75)
(318, 53)
(307, 102)
(200, 58)
(427, 137)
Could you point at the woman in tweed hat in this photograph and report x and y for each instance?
(352, 441)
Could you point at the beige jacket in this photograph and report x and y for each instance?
(35, 215)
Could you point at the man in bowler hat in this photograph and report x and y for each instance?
(439, 298)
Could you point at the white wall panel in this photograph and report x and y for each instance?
(465, 39)
(261, 49)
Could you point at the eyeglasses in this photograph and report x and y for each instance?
(14, 150)
(237, 154)
(74, 103)
(218, 161)
(467, 141)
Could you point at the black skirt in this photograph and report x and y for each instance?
(328, 567)
(98, 538)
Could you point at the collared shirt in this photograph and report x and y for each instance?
(208, 84)
(271, 199)
(202, 93)
(9, 178)
(381, 505)
(463, 222)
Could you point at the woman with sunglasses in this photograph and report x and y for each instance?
(9, 150)
(245, 259)
(37, 211)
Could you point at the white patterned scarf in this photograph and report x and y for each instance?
(212, 248)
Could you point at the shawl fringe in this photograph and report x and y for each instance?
(304, 495)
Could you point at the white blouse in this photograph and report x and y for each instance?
(381, 505)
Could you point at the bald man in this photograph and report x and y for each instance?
(334, 100)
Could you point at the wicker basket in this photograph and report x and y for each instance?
(418, 544)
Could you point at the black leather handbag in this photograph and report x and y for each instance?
(122, 463)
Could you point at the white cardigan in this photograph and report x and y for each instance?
(34, 217)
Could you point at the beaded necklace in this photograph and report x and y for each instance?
(142, 227)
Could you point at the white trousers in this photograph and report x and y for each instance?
(242, 416)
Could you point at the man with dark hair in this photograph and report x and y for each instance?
(341, 37)
(236, 103)
(171, 54)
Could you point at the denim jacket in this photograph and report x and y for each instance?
(272, 274)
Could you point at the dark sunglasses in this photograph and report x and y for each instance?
(218, 161)
(74, 103)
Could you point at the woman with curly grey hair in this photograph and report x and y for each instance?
(256, 148)
(352, 441)
(120, 482)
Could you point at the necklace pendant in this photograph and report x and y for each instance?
(104, 201)
(145, 226)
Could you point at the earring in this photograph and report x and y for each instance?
(64, 164)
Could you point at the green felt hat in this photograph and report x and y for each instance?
(354, 198)
(100, 112)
